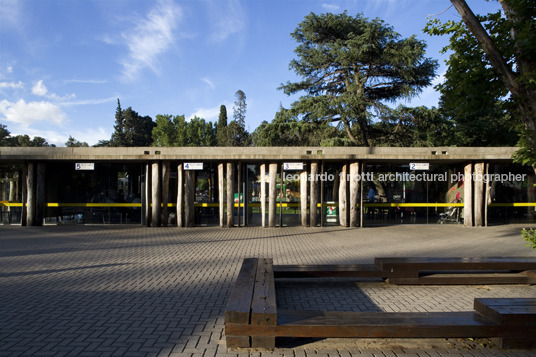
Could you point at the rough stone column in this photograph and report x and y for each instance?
(272, 194)
(263, 195)
(303, 197)
(479, 194)
(180, 196)
(468, 196)
(165, 192)
(354, 194)
(342, 196)
(148, 195)
(156, 195)
(221, 194)
(313, 205)
(31, 200)
(40, 196)
(24, 198)
(189, 198)
(230, 194)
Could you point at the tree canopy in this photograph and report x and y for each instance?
(506, 41)
(176, 131)
(351, 66)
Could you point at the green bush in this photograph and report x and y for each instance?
(530, 236)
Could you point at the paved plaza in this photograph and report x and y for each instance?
(135, 291)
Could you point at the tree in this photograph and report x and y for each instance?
(472, 95)
(119, 135)
(131, 129)
(72, 142)
(239, 109)
(515, 67)
(4, 135)
(350, 66)
(286, 130)
(25, 141)
(221, 127)
(177, 131)
(419, 126)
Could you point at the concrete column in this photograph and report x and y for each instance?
(354, 194)
(342, 196)
(314, 195)
(362, 194)
(24, 198)
(230, 194)
(156, 195)
(180, 196)
(479, 194)
(165, 192)
(40, 195)
(468, 196)
(239, 191)
(148, 195)
(31, 200)
(189, 198)
(263, 195)
(303, 197)
(221, 194)
(272, 194)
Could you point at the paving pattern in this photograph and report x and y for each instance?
(135, 291)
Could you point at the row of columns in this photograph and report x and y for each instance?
(156, 192)
(155, 204)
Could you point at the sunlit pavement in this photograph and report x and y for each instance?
(130, 290)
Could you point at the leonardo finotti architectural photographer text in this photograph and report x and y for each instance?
(412, 177)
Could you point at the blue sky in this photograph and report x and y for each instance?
(64, 63)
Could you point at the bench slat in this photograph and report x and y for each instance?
(239, 305)
(463, 279)
(507, 311)
(328, 271)
(446, 264)
(375, 325)
(263, 306)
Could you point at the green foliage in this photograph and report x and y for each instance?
(420, 126)
(221, 126)
(530, 237)
(4, 135)
(239, 109)
(286, 130)
(472, 95)
(351, 65)
(131, 129)
(72, 142)
(176, 131)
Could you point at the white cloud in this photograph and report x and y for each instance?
(25, 114)
(331, 7)
(227, 17)
(86, 81)
(41, 90)
(209, 82)
(209, 114)
(12, 85)
(152, 37)
(90, 101)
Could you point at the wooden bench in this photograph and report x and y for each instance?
(425, 271)
(253, 320)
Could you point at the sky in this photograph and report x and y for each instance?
(65, 63)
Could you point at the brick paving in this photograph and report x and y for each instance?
(135, 291)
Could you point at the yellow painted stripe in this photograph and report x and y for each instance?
(514, 204)
(287, 205)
